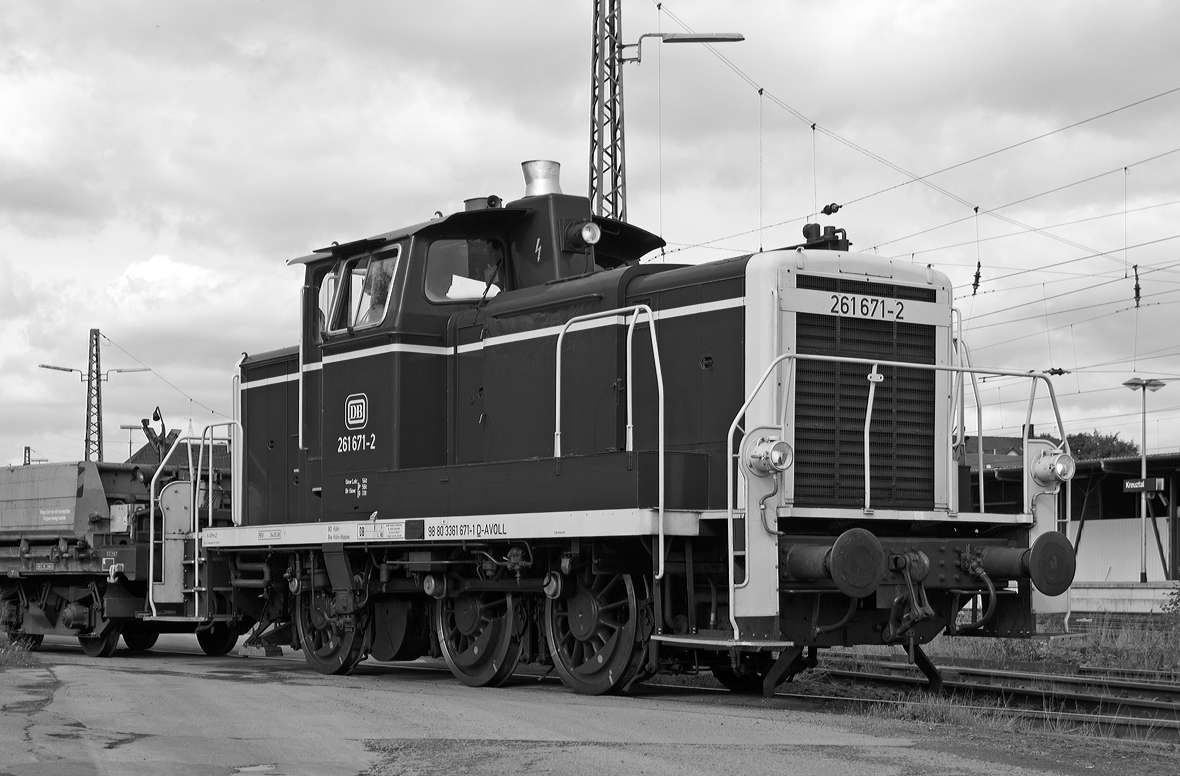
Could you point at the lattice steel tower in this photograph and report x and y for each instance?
(94, 400)
(608, 168)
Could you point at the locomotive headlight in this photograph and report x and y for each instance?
(1052, 467)
(579, 235)
(591, 234)
(769, 455)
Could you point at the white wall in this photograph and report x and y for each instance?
(1110, 550)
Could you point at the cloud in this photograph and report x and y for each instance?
(160, 161)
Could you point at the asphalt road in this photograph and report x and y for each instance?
(174, 711)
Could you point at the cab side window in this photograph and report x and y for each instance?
(362, 299)
(327, 291)
(461, 270)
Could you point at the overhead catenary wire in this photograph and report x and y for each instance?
(168, 382)
(914, 178)
(1025, 232)
(990, 276)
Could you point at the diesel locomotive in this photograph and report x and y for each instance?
(503, 438)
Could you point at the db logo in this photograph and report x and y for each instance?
(356, 411)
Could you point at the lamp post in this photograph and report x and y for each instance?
(94, 380)
(1139, 384)
(608, 166)
(129, 430)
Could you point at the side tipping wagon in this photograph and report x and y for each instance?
(81, 556)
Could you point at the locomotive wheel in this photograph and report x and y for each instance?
(141, 641)
(479, 637)
(101, 646)
(26, 641)
(328, 646)
(591, 634)
(216, 641)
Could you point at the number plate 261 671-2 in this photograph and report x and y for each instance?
(851, 306)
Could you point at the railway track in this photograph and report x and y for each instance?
(1105, 702)
(1114, 703)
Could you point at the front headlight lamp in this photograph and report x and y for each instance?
(1053, 467)
(769, 456)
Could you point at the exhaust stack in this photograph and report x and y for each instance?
(541, 177)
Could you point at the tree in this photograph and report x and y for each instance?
(1090, 445)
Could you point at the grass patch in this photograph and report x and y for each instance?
(12, 656)
(1149, 645)
(937, 710)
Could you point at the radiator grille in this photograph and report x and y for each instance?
(831, 401)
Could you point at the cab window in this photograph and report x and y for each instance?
(461, 270)
(362, 298)
(327, 291)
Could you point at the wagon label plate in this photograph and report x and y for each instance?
(393, 531)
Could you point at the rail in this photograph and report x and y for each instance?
(873, 378)
(633, 313)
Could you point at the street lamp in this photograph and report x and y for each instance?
(608, 166)
(105, 376)
(1139, 384)
(94, 380)
(129, 430)
(677, 37)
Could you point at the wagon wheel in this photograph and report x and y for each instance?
(101, 646)
(140, 641)
(479, 634)
(592, 634)
(330, 645)
(217, 640)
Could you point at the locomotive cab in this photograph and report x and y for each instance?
(388, 325)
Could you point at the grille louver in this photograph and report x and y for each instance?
(831, 401)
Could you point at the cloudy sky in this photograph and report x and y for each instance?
(159, 163)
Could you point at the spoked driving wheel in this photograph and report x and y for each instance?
(479, 634)
(592, 633)
(332, 643)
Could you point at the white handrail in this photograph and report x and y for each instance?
(874, 378)
(231, 440)
(978, 423)
(730, 495)
(152, 525)
(634, 311)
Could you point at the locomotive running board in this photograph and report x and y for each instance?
(535, 525)
(712, 642)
